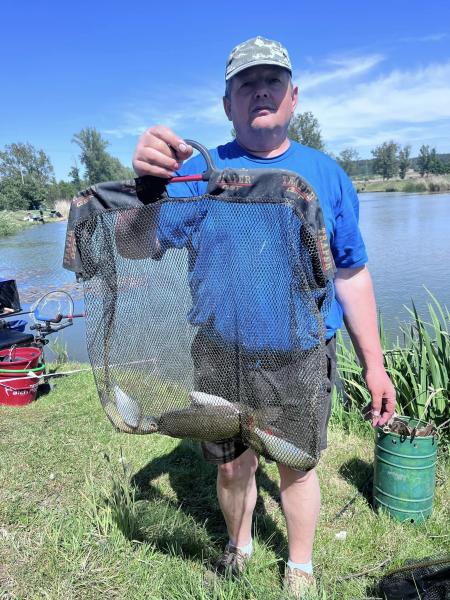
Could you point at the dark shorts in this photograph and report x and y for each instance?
(212, 359)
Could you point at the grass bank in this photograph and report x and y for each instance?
(411, 185)
(13, 221)
(87, 513)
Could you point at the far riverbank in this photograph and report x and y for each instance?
(14, 221)
(412, 184)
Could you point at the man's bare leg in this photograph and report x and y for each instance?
(300, 498)
(236, 491)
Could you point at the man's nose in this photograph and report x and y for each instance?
(261, 91)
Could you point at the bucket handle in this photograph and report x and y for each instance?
(12, 353)
(12, 356)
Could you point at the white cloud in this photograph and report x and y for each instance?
(346, 68)
(201, 107)
(412, 103)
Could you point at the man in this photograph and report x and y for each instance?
(260, 100)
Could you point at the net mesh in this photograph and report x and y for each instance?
(205, 315)
(428, 579)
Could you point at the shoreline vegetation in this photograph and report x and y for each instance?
(14, 221)
(412, 184)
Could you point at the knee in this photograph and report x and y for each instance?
(239, 470)
(290, 476)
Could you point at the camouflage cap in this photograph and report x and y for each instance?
(257, 51)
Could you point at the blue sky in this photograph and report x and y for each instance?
(368, 71)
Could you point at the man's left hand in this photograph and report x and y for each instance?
(383, 396)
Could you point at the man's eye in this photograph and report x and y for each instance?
(275, 80)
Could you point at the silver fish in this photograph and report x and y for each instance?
(125, 414)
(204, 399)
(204, 422)
(128, 407)
(115, 418)
(282, 451)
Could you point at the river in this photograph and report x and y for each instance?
(407, 238)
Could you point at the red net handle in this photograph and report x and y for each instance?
(201, 176)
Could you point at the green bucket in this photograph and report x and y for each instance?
(404, 474)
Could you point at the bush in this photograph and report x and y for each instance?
(7, 225)
(412, 187)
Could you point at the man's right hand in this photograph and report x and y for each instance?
(160, 152)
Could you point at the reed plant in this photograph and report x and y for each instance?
(418, 364)
(113, 508)
(63, 207)
(60, 351)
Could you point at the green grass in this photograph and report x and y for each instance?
(12, 222)
(87, 513)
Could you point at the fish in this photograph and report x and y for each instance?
(284, 452)
(207, 423)
(204, 399)
(114, 416)
(209, 418)
(125, 413)
(128, 407)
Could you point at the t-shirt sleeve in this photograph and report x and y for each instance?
(347, 244)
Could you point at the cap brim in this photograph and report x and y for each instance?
(256, 63)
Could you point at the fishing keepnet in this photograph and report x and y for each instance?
(205, 315)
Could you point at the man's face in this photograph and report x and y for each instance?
(260, 98)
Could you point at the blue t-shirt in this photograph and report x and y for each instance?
(333, 188)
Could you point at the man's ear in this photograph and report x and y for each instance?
(227, 107)
(294, 97)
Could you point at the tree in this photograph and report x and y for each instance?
(347, 159)
(386, 159)
(63, 190)
(423, 160)
(436, 165)
(75, 177)
(404, 160)
(26, 174)
(305, 128)
(99, 164)
(10, 195)
(22, 160)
